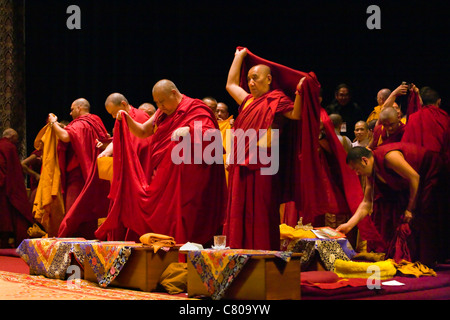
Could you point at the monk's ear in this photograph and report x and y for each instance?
(269, 78)
(438, 103)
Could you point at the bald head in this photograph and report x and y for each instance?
(79, 107)
(166, 96)
(148, 108)
(382, 96)
(388, 113)
(115, 102)
(336, 119)
(390, 119)
(11, 135)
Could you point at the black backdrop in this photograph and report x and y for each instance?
(126, 46)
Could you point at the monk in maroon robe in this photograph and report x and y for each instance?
(254, 198)
(389, 130)
(85, 194)
(113, 104)
(15, 209)
(185, 196)
(409, 176)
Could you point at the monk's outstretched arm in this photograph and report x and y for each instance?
(395, 161)
(140, 130)
(234, 77)
(296, 112)
(363, 210)
(61, 133)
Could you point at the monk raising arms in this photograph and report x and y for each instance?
(252, 220)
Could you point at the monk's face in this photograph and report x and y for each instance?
(211, 104)
(222, 111)
(166, 101)
(259, 80)
(342, 96)
(361, 132)
(74, 111)
(363, 167)
(113, 109)
(391, 124)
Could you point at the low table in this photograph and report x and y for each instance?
(244, 274)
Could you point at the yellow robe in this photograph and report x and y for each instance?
(48, 206)
(225, 130)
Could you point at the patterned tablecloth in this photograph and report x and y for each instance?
(51, 257)
(218, 268)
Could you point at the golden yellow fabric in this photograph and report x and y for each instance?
(157, 240)
(375, 114)
(353, 269)
(174, 278)
(416, 269)
(288, 232)
(225, 130)
(105, 168)
(48, 207)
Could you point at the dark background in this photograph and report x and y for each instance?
(127, 46)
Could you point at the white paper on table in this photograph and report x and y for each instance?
(393, 283)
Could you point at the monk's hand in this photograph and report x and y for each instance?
(401, 90)
(120, 114)
(52, 118)
(242, 52)
(180, 132)
(299, 85)
(344, 228)
(407, 216)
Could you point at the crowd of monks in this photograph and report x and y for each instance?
(384, 176)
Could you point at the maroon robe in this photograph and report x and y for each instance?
(391, 199)
(185, 201)
(85, 194)
(429, 127)
(379, 131)
(15, 209)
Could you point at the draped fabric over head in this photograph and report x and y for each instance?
(184, 201)
(301, 174)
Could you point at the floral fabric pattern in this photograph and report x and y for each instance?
(218, 268)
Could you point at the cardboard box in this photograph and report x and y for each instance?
(142, 270)
(262, 278)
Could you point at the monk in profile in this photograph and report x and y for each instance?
(183, 200)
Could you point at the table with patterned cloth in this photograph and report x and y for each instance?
(327, 250)
(218, 268)
(51, 257)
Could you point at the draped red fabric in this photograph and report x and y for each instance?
(15, 212)
(78, 163)
(429, 127)
(299, 159)
(185, 201)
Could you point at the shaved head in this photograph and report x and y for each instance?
(83, 104)
(382, 95)
(259, 78)
(388, 113)
(116, 98)
(11, 135)
(166, 96)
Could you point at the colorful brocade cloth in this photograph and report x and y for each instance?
(51, 257)
(218, 268)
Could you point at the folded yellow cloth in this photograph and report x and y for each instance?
(353, 269)
(288, 232)
(105, 168)
(157, 240)
(416, 269)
